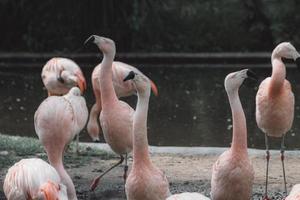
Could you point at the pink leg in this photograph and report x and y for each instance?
(125, 169)
(282, 161)
(267, 171)
(97, 179)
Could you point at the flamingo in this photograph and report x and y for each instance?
(295, 193)
(33, 179)
(59, 75)
(57, 120)
(188, 196)
(233, 174)
(275, 103)
(122, 89)
(145, 181)
(116, 116)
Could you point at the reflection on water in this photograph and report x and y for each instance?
(191, 110)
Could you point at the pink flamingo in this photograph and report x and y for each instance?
(116, 116)
(33, 179)
(145, 181)
(59, 75)
(233, 174)
(295, 193)
(188, 196)
(275, 103)
(57, 120)
(122, 89)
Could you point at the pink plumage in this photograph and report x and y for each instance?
(145, 180)
(275, 102)
(57, 120)
(233, 174)
(295, 193)
(33, 179)
(122, 89)
(59, 75)
(116, 116)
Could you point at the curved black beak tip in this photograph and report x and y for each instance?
(90, 39)
(130, 76)
(252, 75)
(298, 63)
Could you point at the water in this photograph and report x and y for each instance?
(192, 108)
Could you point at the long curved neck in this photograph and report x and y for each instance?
(57, 162)
(140, 141)
(108, 95)
(278, 74)
(239, 136)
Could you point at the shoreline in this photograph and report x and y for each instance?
(188, 169)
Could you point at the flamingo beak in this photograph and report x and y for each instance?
(252, 75)
(130, 76)
(90, 39)
(154, 88)
(81, 82)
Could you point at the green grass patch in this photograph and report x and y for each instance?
(24, 147)
(20, 145)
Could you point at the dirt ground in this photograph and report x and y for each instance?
(190, 173)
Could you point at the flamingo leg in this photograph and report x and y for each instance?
(282, 161)
(267, 170)
(125, 168)
(97, 179)
(77, 144)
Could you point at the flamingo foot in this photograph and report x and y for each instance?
(266, 198)
(94, 184)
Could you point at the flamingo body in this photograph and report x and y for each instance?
(119, 71)
(232, 177)
(233, 174)
(275, 113)
(116, 116)
(116, 123)
(31, 179)
(145, 180)
(295, 193)
(122, 89)
(275, 102)
(57, 120)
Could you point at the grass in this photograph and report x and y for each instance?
(25, 147)
(20, 145)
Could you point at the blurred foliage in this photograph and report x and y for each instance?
(149, 25)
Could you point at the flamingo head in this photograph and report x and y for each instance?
(71, 79)
(235, 79)
(106, 45)
(286, 50)
(141, 82)
(51, 191)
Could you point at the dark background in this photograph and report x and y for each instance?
(149, 26)
(209, 39)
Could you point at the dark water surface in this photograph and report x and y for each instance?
(192, 108)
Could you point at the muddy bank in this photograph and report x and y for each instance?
(185, 173)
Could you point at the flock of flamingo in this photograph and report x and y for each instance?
(61, 116)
